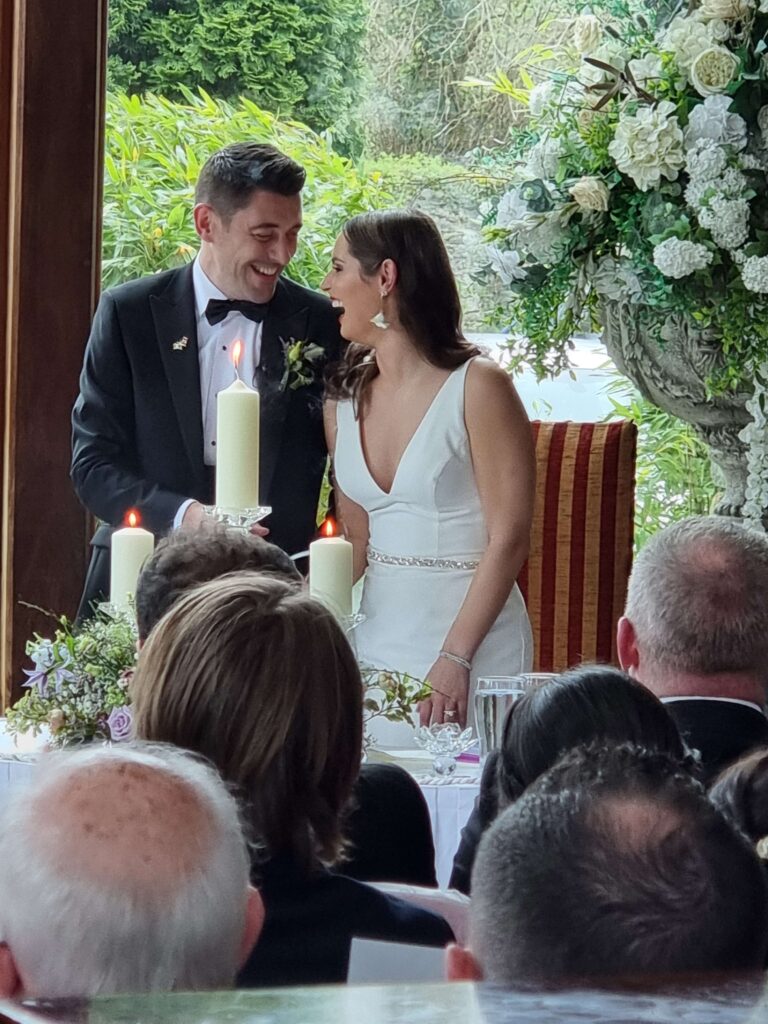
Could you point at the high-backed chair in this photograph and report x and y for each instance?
(575, 579)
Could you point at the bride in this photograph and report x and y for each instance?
(434, 470)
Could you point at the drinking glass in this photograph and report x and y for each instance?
(494, 696)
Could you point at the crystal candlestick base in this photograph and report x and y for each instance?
(445, 741)
(238, 518)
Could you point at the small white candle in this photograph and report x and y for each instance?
(238, 412)
(330, 571)
(131, 547)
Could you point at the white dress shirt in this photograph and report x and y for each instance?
(214, 352)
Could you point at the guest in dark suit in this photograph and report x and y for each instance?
(695, 631)
(144, 424)
(254, 675)
(590, 704)
(388, 828)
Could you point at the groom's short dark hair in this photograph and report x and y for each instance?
(231, 176)
(614, 864)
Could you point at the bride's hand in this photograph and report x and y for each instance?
(448, 700)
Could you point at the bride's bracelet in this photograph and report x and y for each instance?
(455, 658)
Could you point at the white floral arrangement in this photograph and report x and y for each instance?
(640, 178)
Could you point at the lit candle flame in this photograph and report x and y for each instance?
(328, 529)
(133, 518)
(237, 350)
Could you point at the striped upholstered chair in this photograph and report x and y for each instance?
(575, 579)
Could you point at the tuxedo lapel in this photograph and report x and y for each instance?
(173, 312)
(285, 322)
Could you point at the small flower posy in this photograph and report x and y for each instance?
(303, 360)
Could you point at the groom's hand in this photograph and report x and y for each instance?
(196, 516)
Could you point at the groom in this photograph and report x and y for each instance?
(144, 424)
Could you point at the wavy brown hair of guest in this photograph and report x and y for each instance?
(251, 673)
(425, 298)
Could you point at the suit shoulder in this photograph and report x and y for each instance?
(141, 288)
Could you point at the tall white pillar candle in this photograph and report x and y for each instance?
(330, 572)
(131, 547)
(237, 447)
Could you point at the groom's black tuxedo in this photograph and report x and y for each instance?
(137, 423)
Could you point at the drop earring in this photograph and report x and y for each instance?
(380, 320)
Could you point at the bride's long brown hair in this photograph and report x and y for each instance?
(427, 300)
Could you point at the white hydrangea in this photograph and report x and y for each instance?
(686, 38)
(754, 274)
(678, 258)
(512, 209)
(543, 158)
(649, 145)
(545, 240)
(713, 120)
(505, 264)
(727, 220)
(732, 182)
(705, 161)
(697, 192)
(645, 71)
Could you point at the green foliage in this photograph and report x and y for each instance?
(391, 695)
(79, 679)
(154, 150)
(300, 58)
(673, 472)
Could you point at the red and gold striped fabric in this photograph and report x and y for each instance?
(575, 579)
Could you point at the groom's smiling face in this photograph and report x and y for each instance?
(244, 255)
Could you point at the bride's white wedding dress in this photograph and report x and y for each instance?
(427, 535)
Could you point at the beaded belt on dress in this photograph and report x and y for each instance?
(424, 563)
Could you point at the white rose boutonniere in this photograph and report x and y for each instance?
(302, 361)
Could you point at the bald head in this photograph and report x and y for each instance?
(125, 870)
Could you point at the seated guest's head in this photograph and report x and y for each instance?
(186, 558)
(590, 704)
(125, 869)
(613, 865)
(741, 793)
(696, 617)
(253, 674)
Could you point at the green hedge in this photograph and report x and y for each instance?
(154, 150)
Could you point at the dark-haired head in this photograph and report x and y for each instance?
(186, 558)
(615, 865)
(424, 301)
(590, 704)
(741, 793)
(230, 176)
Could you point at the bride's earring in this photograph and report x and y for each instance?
(380, 320)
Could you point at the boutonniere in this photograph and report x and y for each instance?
(302, 361)
(181, 344)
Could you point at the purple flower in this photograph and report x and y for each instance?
(36, 678)
(120, 723)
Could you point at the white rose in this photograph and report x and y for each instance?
(649, 145)
(725, 10)
(591, 194)
(720, 29)
(686, 38)
(611, 51)
(645, 70)
(587, 33)
(713, 70)
(511, 210)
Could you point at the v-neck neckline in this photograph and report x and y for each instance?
(411, 440)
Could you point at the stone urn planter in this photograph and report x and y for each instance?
(671, 371)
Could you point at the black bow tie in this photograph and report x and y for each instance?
(217, 309)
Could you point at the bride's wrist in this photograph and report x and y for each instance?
(456, 659)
